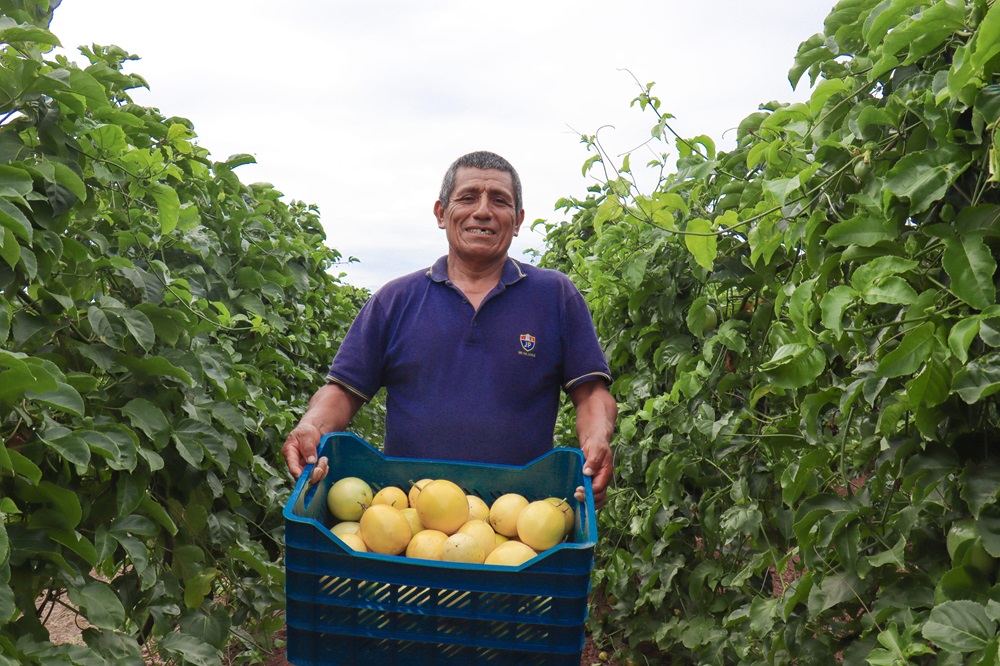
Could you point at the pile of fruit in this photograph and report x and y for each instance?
(437, 520)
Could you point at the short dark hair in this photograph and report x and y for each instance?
(481, 159)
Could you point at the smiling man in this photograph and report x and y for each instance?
(475, 351)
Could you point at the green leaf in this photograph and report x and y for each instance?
(72, 447)
(833, 305)
(240, 159)
(169, 206)
(978, 379)
(65, 399)
(799, 475)
(7, 605)
(77, 543)
(884, 17)
(4, 552)
(959, 626)
(961, 336)
(109, 139)
(15, 182)
(932, 386)
(835, 588)
(115, 444)
(872, 271)
(69, 179)
(987, 39)
(100, 604)
(153, 366)
(189, 649)
(147, 417)
(811, 53)
(156, 511)
(701, 242)
(794, 365)
(970, 265)
(914, 349)
(24, 466)
(923, 177)
(701, 317)
(101, 325)
(139, 327)
(893, 290)
(190, 449)
(10, 251)
(862, 231)
(21, 378)
(12, 218)
(781, 188)
(12, 32)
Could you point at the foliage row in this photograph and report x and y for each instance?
(806, 337)
(157, 321)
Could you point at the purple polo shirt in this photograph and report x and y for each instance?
(480, 386)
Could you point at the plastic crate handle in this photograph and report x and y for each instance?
(310, 493)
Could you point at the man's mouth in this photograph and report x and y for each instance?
(482, 232)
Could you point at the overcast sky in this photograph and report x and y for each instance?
(359, 107)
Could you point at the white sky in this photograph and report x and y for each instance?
(359, 107)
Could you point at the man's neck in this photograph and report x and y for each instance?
(475, 281)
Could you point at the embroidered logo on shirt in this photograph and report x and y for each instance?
(527, 342)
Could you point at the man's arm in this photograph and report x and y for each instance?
(330, 410)
(596, 411)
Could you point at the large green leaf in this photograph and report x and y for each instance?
(959, 626)
(971, 267)
(863, 231)
(100, 604)
(65, 399)
(962, 333)
(190, 649)
(15, 182)
(794, 365)
(978, 379)
(701, 241)
(914, 349)
(139, 326)
(169, 206)
(922, 177)
(811, 53)
(148, 418)
(987, 38)
(14, 220)
(73, 448)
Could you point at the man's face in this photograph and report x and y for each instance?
(480, 219)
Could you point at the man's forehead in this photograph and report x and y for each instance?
(471, 177)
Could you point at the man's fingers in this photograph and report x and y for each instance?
(319, 471)
(291, 453)
(299, 450)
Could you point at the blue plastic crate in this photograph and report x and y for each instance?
(346, 607)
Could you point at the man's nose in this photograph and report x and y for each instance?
(483, 208)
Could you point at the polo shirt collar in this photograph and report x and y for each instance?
(512, 271)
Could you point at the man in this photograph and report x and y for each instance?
(473, 352)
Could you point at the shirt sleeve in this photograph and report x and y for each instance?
(584, 359)
(358, 364)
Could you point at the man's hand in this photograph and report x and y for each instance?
(330, 409)
(600, 466)
(596, 412)
(300, 450)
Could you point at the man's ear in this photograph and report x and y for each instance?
(439, 213)
(520, 220)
